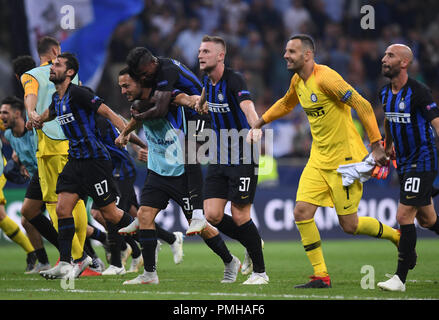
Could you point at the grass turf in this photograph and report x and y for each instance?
(198, 276)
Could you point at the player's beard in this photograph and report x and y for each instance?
(296, 66)
(59, 79)
(390, 72)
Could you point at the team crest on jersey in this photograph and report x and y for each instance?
(220, 97)
(401, 105)
(313, 97)
(64, 108)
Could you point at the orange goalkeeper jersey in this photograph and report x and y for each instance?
(327, 99)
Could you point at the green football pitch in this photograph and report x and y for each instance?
(355, 267)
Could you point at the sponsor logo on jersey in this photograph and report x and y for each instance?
(398, 117)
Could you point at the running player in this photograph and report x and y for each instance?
(232, 175)
(166, 75)
(88, 171)
(409, 111)
(52, 147)
(327, 100)
(167, 179)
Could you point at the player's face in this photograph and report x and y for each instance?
(209, 55)
(129, 88)
(7, 116)
(58, 71)
(146, 73)
(391, 63)
(294, 55)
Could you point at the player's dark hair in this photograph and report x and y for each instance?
(71, 63)
(124, 71)
(23, 64)
(307, 41)
(215, 39)
(15, 103)
(137, 56)
(45, 44)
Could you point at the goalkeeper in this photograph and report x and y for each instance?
(327, 101)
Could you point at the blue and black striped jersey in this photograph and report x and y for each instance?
(123, 164)
(409, 113)
(172, 75)
(76, 113)
(223, 100)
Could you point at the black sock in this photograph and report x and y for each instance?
(46, 229)
(195, 184)
(406, 251)
(99, 235)
(133, 244)
(124, 221)
(114, 242)
(435, 227)
(251, 240)
(66, 231)
(165, 235)
(123, 244)
(217, 245)
(228, 227)
(148, 241)
(88, 248)
(42, 255)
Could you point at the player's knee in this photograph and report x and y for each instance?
(63, 210)
(300, 213)
(24, 222)
(348, 227)
(213, 215)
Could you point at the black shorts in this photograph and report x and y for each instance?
(126, 195)
(236, 183)
(33, 190)
(416, 188)
(158, 190)
(89, 177)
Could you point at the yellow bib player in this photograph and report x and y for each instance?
(327, 101)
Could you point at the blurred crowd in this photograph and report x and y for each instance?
(256, 32)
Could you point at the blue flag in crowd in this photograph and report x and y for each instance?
(90, 43)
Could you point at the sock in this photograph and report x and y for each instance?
(81, 222)
(148, 241)
(42, 256)
(198, 214)
(99, 235)
(168, 237)
(435, 227)
(123, 244)
(228, 227)
(66, 231)
(124, 221)
(311, 242)
(249, 237)
(217, 245)
(88, 248)
(133, 244)
(77, 247)
(12, 230)
(406, 251)
(115, 242)
(45, 228)
(195, 184)
(372, 227)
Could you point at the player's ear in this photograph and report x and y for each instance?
(70, 73)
